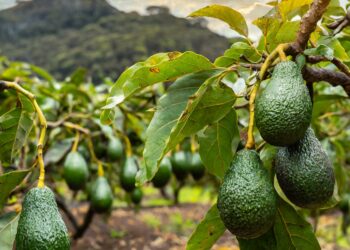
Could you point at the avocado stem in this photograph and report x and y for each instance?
(76, 142)
(43, 126)
(250, 141)
(193, 145)
(100, 171)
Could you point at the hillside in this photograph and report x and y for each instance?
(62, 35)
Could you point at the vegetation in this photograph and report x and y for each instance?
(174, 105)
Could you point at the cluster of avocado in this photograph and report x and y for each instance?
(247, 199)
(184, 163)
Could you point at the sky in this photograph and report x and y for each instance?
(250, 9)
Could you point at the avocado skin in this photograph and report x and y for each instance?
(136, 196)
(180, 162)
(196, 167)
(75, 171)
(304, 172)
(101, 195)
(128, 174)
(115, 149)
(40, 225)
(283, 110)
(247, 200)
(163, 174)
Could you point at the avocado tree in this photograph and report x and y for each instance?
(270, 119)
(296, 77)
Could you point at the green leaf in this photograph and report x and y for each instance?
(287, 32)
(15, 126)
(226, 14)
(168, 112)
(333, 43)
(216, 147)
(266, 241)
(292, 231)
(9, 181)
(78, 77)
(320, 50)
(157, 68)
(237, 52)
(8, 231)
(207, 232)
(285, 7)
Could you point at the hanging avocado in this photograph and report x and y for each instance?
(163, 175)
(181, 163)
(128, 174)
(136, 196)
(115, 149)
(40, 224)
(75, 171)
(196, 167)
(101, 195)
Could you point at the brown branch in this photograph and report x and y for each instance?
(312, 74)
(307, 25)
(338, 25)
(341, 66)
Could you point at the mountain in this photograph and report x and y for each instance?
(61, 35)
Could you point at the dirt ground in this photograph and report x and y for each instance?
(163, 228)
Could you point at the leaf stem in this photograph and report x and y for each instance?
(43, 126)
(76, 141)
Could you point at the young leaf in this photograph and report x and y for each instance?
(8, 182)
(157, 68)
(15, 126)
(320, 50)
(292, 231)
(285, 7)
(169, 110)
(8, 232)
(226, 14)
(266, 241)
(56, 152)
(216, 147)
(207, 232)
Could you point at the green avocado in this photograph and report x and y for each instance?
(163, 175)
(100, 149)
(196, 167)
(75, 171)
(283, 109)
(40, 224)
(101, 195)
(128, 174)
(247, 200)
(136, 196)
(180, 162)
(115, 149)
(304, 172)
(344, 203)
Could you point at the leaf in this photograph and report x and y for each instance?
(15, 126)
(216, 149)
(285, 7)
(320, 50)
(292, 231)
(209, 99)
(333, 43)
(56, 152)
(8, 233)
(157, 68)
(207, 232)
(226, 14)
(78, 77)
(266, 241)
(9, 181)
(168, 112)
(287, 32)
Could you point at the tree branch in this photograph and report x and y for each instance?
(312, 74)
(341, 66)
(340, 24)
(308, 25)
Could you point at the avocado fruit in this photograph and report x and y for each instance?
(305, 173)
(75, 171)
(197, 169)
(283, 110)
(180, 162)
(128, 174)
(163, 174)
(136, 196)
(40, 224)
(247, 200)
(344, 203)
(114, 149)
(101, 195)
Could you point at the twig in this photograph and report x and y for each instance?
(341, 66)
(62, 205)
(87, 221)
